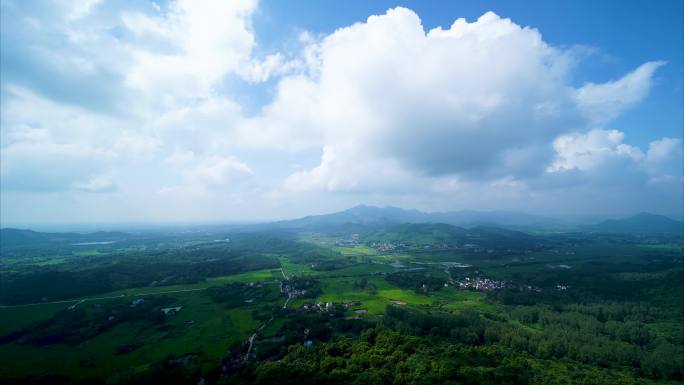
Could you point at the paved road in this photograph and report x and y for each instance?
(253, 336)
(72, 307)
(249, 349)
(81, 300)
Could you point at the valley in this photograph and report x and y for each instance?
(229, 311)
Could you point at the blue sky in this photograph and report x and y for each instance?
(624, 33)
(117, 111)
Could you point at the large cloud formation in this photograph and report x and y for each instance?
(483, 100)
(144, 104)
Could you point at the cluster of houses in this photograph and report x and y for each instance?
(561, 266)
(291, 291)
(386, 246)
(482, 284)
(329, 307)
(555, 251)
(137, 302)
(530, 288)
(171, 310)
(166, 310)
(351, 241)
(346, 242)
(326, 307)
(487, 284)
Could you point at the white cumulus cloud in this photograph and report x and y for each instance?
(178, 98)
(387, 100)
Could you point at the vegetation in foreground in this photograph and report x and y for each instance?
(369, 307)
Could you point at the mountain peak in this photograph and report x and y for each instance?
(363, 214)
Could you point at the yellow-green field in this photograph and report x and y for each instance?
(341, 290)
(354, 250)
(298, 269)
(358, 270)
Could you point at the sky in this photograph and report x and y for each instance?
(223, 111)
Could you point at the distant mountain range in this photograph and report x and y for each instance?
(371, 215)
(362, 215)
(642, 223)
(446, 236)
(370, 218)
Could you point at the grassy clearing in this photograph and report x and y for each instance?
(272, 328)
(390, 258)
(354, 250)
(51, 261)
(359, 270)
(87, 253)
(624, 253)
(32, 261)
(19, 317)
(16, 317)
(299, 269)
(342, 290)
(663, 246)
(431, 256)
(535, 328)
(266, 275)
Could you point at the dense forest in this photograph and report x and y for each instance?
(604, 343)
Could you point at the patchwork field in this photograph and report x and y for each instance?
(342, 290)
(201, 327)
(357, 278)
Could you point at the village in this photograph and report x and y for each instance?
(386, 246)
(482, 284)
(488, 284)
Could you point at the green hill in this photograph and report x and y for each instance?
(642, 223)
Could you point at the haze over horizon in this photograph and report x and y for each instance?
(503, 218)
(177, 111)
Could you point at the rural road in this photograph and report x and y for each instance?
(80, 300)
(249, 349)
(253, 336)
